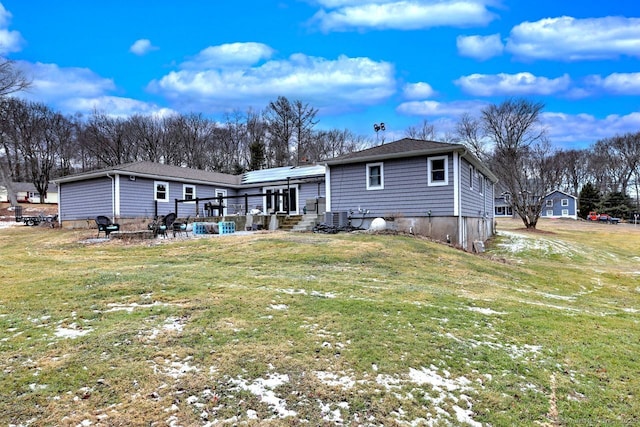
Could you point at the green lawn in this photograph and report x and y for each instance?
(347, 329)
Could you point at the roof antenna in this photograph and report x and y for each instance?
(377, 128)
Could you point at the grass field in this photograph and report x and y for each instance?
(347, 329)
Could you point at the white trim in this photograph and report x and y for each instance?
(327, 189)
(430, 161)
(381, 185)
(564, 202)
(116, 198)
(456, 180)
(184, 192)
(471, 173)
(155, 191)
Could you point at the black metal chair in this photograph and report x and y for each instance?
(181, 227)
(164, 224)
(105, 225)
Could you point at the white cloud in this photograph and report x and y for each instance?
(570, 39)
(342, 83)
(617, 83)
(73, 90)
(568, 130)
(434, 108)
(402, 14)
(418, 90)
(115, 106)
(142, 47)
(230, 54)
(50, 82)
(10, 41)
(512, 84)
(480, 47)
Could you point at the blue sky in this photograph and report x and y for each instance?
(359, 62)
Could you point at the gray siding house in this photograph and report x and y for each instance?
(559, 204)
(143, 190)
(429, 188)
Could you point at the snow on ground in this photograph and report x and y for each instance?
(516, 243)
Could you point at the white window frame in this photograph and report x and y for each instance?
(549, 212)
(379, 186)
(184, 192)
(155, 191)
(481, 184)
(471, 173)
(564, 202)
(430, 181)
(565, 212)
(549, 203)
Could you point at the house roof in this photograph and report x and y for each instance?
(156, 171)
(283, 173)
(561, 192)
(28, 186)
(408, 147)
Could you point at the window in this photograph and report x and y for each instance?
(565, 202)
(188, 192)
(161, 191)
(438, 171)
(549, 203)
(500, 210)
(471, 177)
(481, 184)
(375, 176)
(549, 212)
(565, 212)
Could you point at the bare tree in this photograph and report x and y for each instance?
(303, 122)
(470, 132)
(280, 119)
(425, 131)
(521, 154)
(12, 80)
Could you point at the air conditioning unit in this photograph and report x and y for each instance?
(336, 219)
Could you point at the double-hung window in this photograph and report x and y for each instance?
(161, 191)
(375, 176)
(438, 171)
(188, 192)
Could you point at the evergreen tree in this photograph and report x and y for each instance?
(589, 200)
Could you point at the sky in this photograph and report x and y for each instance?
(358, 62)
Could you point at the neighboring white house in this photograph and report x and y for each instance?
(26, 193)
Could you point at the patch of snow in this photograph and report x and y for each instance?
(72, 331)
(264, 389)
(332, 379)
(485, 311)
(278, 307)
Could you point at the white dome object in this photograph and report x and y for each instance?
(378, 224)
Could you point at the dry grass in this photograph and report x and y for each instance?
(348, 329)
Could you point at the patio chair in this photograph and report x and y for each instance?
(165, 223)
(181, 227)
(105, 225)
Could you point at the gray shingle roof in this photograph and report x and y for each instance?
(157, 170)
(406, 147)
